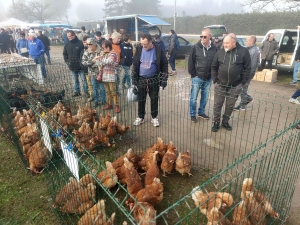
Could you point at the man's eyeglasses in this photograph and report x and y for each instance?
(204, 37)
(89, 44)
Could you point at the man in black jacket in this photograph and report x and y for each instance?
(46, 43)
(127, 52)
(72, 57)
(5, 41)
(230, 71)
(149, 71)
(199, 66)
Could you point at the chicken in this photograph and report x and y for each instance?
(28, 128)
(17, 117)
(21, 123)
(97, 215)
(87, 179)
(81, 201)
(83, 134)
(169, 159)
(183, 163)
(240, 216)
(147, 158)
(27, 140)
(133, 180)
(101, 134)
(215, 217)
(161, 147)
(104, 121)
(121, 129)
(62, 120)
(258, 196)
(255, 211)
(108, 177)
(71, 120)
(13, 113)
(153, 171)
(66, 192)
(152, 194)
(85, 114)
(111, 130)
(88, 145)
(119, 164)
(206, 202)
(144, 214)
(38, 156)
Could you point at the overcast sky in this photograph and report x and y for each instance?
(78, 6)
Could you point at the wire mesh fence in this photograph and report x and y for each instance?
(262, 146)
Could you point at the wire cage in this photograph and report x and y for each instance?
(263, 146)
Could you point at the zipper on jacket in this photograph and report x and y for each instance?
(229, 68)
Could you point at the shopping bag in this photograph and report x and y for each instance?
(132, 95)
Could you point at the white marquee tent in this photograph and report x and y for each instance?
(13, 23)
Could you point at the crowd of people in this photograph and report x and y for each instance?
(99, 61)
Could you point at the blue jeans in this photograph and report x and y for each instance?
(126, 78)
(296, 68)
(47, 52)
(172, 61)
(96, 87)
(41, 60)
(75, 75)
(197, 85)
(296, 94)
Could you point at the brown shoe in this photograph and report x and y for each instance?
(117, 109)
(108, 106)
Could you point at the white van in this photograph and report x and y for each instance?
(288, 41)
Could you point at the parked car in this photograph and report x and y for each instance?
(185, 46)
(241, 41)
(217, 30)
(288, 41)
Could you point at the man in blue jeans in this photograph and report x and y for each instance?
(36, 51)
(199, 67)
(72, 57)
(296, 68)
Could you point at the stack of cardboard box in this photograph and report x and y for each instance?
(266, 75)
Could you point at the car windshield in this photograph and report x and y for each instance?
(217, 31)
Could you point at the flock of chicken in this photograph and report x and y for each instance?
(87, 130)
(33, 147)
(147, 192)
(251, 210)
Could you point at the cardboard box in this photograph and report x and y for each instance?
(271, 75)
(289, 56)
(280, 59)
(260, 75)
(254, 77)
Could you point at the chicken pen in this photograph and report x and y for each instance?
(94, 158)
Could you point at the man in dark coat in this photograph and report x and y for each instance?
(46, 43)
(72, 57)
(230, 71)
(149, 71)
(199, 67)
(268, 49)
(5, 41)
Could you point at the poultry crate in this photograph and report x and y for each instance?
(262, 146)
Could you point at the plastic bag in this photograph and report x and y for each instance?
(131, 97)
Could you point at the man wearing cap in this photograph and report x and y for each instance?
(217, 43)
(230, 71)
(36, 50)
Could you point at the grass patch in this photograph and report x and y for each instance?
(24, 198)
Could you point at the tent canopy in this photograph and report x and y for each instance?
(12, 22)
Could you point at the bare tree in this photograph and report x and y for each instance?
(38, 10)
(278, 5)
